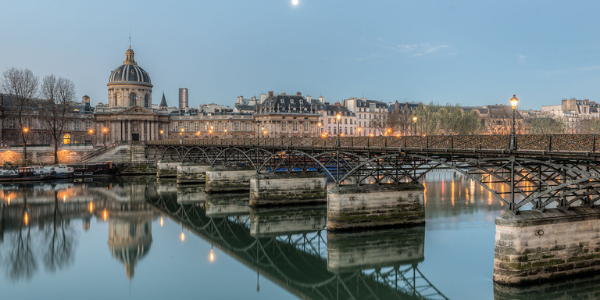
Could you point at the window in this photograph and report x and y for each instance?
(146, 101)
(186, 126)
(305, 126)
(284, 126)
(345, 121)
(76, 123)
(67, 139)
(328, 120)
(196, 126)
(295, 123)
(175, 126)
(88, 125)
(132, 99)
(345, 130)
(236, 126)
(11, 123)
(115, 101)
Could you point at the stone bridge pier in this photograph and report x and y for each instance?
(534, 246)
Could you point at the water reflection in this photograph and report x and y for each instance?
(289, 247)
(286, 246)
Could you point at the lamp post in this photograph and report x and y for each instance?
(161, 134)
(389, 131)
(359, 130)
(225, 132)
(319, 127)
(91, 131)
(415, 124)
(105, 132)
(339, 118)
(181, 135)
(513, 138)
(25, 134)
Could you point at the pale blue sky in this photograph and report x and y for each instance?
(468, 52)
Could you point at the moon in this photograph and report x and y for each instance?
(294, 2)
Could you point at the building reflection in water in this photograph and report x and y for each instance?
(36, 226)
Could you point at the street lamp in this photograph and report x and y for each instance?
(161, 134)
(389, 130)
(319, 126)
(25, 132)
(339, 118)
(91, 131)
(513, 139)
(359, 130)
(105, 132)
(415, 122)
(225, 132)
(181, 134)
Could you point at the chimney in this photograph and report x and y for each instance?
(587, 101)
(270, 95)
(298, 93)
(321, 99)
(283, 93)
(240, 99)
(308, 98)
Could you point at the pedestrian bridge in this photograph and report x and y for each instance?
(536, 171)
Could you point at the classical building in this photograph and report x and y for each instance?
(287, 116)
(367, 110)
(129, 116)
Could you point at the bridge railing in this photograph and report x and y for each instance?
(525, 142)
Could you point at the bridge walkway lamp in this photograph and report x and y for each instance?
(105, 132)
(513, 138)
(26, 134)
(415, 125)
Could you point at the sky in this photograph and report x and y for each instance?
(466, 52)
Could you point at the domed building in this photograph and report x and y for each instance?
(129, 116)
(129, 84)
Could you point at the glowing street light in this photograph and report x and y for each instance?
(105, 132)
(415, 122)
(513, 103)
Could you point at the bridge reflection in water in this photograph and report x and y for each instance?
(291, 248)
(286, 246)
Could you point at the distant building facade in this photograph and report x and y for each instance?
(184, 101)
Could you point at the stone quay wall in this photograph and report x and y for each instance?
(368, 206)
(533, 247)
(287, 188)
(42, 157)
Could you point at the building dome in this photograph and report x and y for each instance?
(129, 72)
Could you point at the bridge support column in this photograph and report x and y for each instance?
(191, 173)
(356, 251)
(225, 179)
(368, 206)
(287, 188)
(227, 204)
(533, 247)
(275, 221)
(166, 169)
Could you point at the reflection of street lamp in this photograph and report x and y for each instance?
(211, 256)
(513, 139)
(415, 124)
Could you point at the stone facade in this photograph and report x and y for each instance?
(534, 247)
(284, 188)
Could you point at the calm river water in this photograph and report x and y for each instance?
(134, 238)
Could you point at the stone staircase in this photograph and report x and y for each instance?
(121, 153)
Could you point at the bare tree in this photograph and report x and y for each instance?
(22, 86)
(59, 94)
